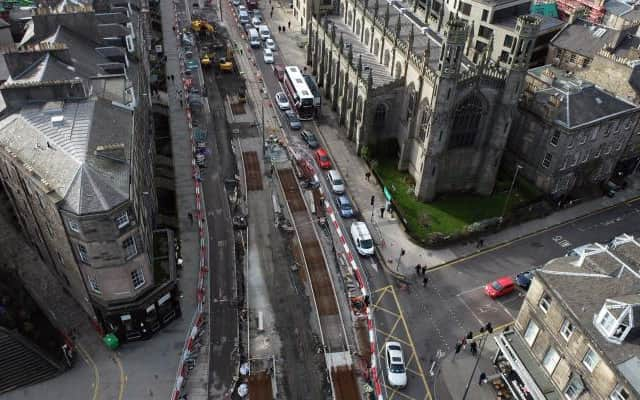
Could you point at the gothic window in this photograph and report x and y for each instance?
(399, 70)
(359, 108)
(387, 58)
(424, 123)
(376, 46)
(380, 116)
(350, 18)
(411, 103)
(366, 37)
(358, 28)
(466, 123)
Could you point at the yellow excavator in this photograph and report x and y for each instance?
(225, 64)
(198, 24)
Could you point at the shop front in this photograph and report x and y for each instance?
(521, 374)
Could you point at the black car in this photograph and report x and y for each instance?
(294, 121)
(310, 139)
(523, 279)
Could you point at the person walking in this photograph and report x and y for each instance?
(289, 25)
(425, 280)
(418, 269)
(483, 379)
(382, 212)
(424, 270)
(473, 347)
(367, 176)
(190, 218)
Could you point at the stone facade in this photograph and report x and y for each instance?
(390, 78)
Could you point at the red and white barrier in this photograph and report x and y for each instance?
(363, 289)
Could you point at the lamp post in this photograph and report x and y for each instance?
(483, 340)
(513, 183)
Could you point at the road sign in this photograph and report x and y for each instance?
(387, 194)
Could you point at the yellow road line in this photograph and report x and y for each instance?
(530, 235)
(96, 374)
(395, 325)
(406, 328)
(396, 392)
(381, 297)
(389, 336)
(123, 377)
(382, 289)
(395, 314)
(496, 329)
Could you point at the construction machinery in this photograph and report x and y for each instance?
(197, 25)
(205, 60)
(225, 64)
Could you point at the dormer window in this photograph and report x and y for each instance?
(615, 320)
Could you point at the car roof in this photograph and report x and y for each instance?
(344, 199)
(334, 173)
(505, 281)
(267, 51)
(321, 152)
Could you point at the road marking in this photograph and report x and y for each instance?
(390, 336)
(464, 303)
(96, 374)
(469, 290)
(496, 329)
(395, 314)
(530, 235)
(123, 377)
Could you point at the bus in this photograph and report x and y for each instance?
(298, 92)
(315, 91)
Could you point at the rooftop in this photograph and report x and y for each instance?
(569, 101)
(585, 38)
(590, 276)
(621, 9)
(547, 23)
(80, 148)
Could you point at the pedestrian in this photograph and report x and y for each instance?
(283, 29)
(418, 269)
(367, 176)
(481, 243)
(382, 212)
(473, 347)
(424, 270)
(289, 25)
(483, 378)
(271, 13)
(469, 336)
(181, 103)
(425, 280)
(463, 342)
(279, 28)
(190, 218)
(174, 28)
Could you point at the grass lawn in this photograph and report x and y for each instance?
(449, 214)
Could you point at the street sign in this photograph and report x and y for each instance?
(387, 194)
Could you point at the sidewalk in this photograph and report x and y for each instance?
(389, 232)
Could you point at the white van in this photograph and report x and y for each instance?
(254, 38)
(335, 181)
(243, 17)
(265, 33)
(362, 238)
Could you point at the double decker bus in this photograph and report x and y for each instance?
(299, 93)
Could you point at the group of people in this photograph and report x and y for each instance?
(422, 270)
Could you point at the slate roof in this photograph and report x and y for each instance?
(579, 102)
(583, 289)
(66, 156)
(621, 9)
(547, 24)
(585, 38)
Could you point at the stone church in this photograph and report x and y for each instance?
(390, 76)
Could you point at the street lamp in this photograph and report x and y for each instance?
(485, 331)
(513, 183)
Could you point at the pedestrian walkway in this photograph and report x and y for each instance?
(388, 231)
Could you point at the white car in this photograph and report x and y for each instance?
(335, 181)
(270, 44)
(267, 55)
(282, 101)
(256, 22)
(242, 8)
(396, 371)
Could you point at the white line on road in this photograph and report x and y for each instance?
(469, 291)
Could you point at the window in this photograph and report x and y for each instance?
(82, 253)
(60, 258)
(122, 220)
(619, 146)
(551, 359)
(74, 226)
(574, 387)
(573, 58)
(607, 321)
(545, 303)
(485, 32)
(465, 8)
(582, 138)
(555, 139)
(94, 284)
(508, 41)
(485, 15)
(531, 333)
(137, 278)
(566, 330)
(129, 246)
(504, 56)
(607, 150)
(591, 359)
(547, 160)
(619, 393)
(49, 229)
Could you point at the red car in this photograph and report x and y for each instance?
(499, 287)
(322, 158)
(278, 71)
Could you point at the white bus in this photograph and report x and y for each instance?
(299, 93)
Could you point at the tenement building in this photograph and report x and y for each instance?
(390, 77)
(577, 335)
(76, 153)
(570, 133)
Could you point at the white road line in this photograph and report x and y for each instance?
(469, 291)
(471, 311)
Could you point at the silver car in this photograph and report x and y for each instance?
(282, 101)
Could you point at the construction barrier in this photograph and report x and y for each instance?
(196, 325)
(363, 289)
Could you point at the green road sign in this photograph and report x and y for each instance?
(387, 194)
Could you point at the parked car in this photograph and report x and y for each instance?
(294, 121)
(322, 158)
(523, 279)
(283, 101)
(362, 239)
(310, 139)
(267, 56)
(335, 181)
(344, 207)
(235, 2)
(499, 287)
(256, 21)
(257, 13)
(242, 8)
(243, 16)
(265, 33)
(270, 44)
(396, 371)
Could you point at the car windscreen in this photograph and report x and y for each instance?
(396, 368)
(496, 285)
(324, 158)
(366, 243)
(337, 181)
(307, 102)
(345, 206)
